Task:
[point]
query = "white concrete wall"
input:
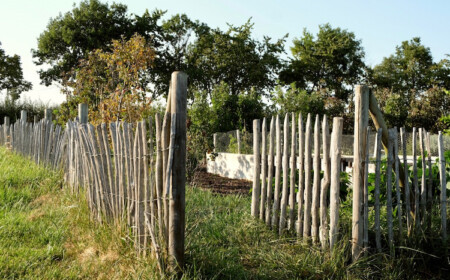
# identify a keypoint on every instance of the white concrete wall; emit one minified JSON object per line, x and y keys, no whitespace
{"x":235,"y":166}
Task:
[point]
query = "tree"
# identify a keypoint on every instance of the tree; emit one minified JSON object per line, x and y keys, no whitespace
{"x":113,"y":82}
{"x":11,"y":75}
{"x":332,"y":63}
{"x":408,"y":71}
{"x":411,"y":88}
{"x":237,"y":59}
{"x":92,"y":25}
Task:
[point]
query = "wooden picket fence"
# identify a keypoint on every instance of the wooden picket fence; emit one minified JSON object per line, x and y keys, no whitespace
{"x":125,"y":178}
{"x":309,"y":205}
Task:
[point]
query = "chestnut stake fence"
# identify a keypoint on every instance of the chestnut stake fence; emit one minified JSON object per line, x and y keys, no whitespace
{"x":126,"y":180}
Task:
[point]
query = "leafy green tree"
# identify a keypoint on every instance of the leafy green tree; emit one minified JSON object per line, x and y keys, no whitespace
{"x":408,"y":71}
{"x":92,"y":25}
{"x":330,"y":63}
{"x":11,"y":76}
{"x":236,"y":58}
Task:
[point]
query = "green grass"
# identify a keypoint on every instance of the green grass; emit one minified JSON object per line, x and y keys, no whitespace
{"x":46,"y":233}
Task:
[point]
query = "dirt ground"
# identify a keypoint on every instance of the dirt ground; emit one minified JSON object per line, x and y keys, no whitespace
{"x":221,"y":185}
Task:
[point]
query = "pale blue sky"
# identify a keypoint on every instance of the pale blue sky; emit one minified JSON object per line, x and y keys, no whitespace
{"x":381,"y":25}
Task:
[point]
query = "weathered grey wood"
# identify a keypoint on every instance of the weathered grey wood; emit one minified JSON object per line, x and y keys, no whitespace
{"x":335,"y":178}
{"x":406,"y":180}
{"x":285,"y":191}
{"x":35,"y":119}
{"x":293,"y":167}
{"x":415,"y":182}
{"x":301,"y":177}
{"x":423,"y":184}
{"x":262,"y":206}
{"x":178,"y":176}
{"x":366,"y":196}
{"x":397,"y":185}
{"x":165,"y":142}
{"x":377,"y":190}
{"x":276,"y":197}
{"x":159,"y":175}
{"x":109,"y":170}
{"x":148,"y":199}
{"x":316,"y":183}
{"x":442,"y":179}
{"x":256,"y":189}
{"x":308,"y":186}
{"x":359,"y":147}
{"x":215,"y":142}
{"x":104,"y":173}
{"x":115,"y":179}
{"x":430,"y":181}
{"x":390,"y":160}
{"x":325,"y":184}
{"x":270,"y":172}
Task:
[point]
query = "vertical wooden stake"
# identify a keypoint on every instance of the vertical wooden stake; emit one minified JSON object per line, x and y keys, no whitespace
{"x":301,"y":176}
{"x":377,"y":190}
{"x":284,"y":195}
{"x":308,"y":144}
{"x":293,"y":167}
{"x":264,"y":169}
{"x":415,"y":182}
{"x":238,"y":138}
{"x":423,"y":185}
{"x":390,"y":160}
{"x":316,"y":183}
{"x":397,"y":186}
{"x":406,"y":180}
{"x":359,"y":147}
{"x":256,"y":190}
{"x":270,"y":173}
{"x":366,"y":195}
{"x":178,"y":175}
{"x":442,"y":177}
{"x":335,"y":178}
{"x":276,"y":198}
{"x":325,"y":183}
{"x":83,"y":113}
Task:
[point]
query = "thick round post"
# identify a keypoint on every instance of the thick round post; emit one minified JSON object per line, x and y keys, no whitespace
{"x":335,"y":178}
{"x":325,"y":184}
{"x":397,"y":186}
{"x":415,"y":182}
{"x":178,"y":175}
{"x":359,"y":148}
{"x":83,"y":113}
{"x":406,"y":179}
{"x":256,"y":191}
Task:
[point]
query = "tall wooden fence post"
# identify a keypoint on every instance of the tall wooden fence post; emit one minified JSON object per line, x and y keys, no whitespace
{"x":23,"y":116}
{"x":178,"y":175}
{"x":443,"y":187}
{"x":238,"y":139}
{"x":361,"y":123}
{"x":335,"y":178}
{"x":256,"y":190}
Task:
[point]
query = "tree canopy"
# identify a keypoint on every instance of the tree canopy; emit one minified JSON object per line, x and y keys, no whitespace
{"x":331,"y":61}
{"x":11,"y":75}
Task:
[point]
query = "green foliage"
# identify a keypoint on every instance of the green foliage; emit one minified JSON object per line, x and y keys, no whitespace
{"x":333,"y":61}
{"x":11,"y":109}
{"x":11,"y":75}
{"x":295,"y":100}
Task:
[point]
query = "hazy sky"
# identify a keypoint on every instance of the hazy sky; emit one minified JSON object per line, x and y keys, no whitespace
{"x":380,"y":24}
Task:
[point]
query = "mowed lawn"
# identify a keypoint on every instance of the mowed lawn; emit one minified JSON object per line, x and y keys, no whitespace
{"x":46,"y":233}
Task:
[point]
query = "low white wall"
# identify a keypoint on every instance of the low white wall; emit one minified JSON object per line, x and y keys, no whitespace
{"x":235,"y":166}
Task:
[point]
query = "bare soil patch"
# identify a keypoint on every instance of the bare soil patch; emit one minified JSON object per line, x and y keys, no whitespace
{"x":218,"y":184}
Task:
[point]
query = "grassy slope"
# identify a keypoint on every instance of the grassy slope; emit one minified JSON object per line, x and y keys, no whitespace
{"x":45,"y":233}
